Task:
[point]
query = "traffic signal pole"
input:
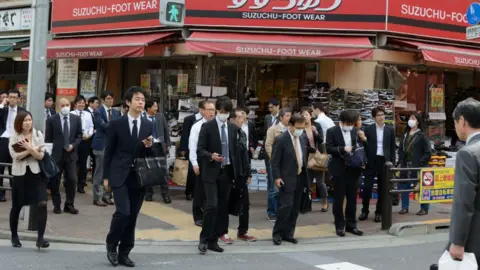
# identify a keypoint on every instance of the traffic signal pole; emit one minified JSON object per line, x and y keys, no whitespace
{"x":37,"y":76}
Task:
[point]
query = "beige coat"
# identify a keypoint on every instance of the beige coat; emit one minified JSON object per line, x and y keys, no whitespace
{"x":19,"y":166}
{"x":272,"y":133}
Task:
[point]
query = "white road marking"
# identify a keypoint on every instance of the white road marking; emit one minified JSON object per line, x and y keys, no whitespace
{"x":341,"y":266}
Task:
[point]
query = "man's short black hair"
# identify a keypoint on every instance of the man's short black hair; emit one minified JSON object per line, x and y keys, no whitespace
{"x":106,"y":94}
{"x":245,"y":110}
{"x":232,"y":116}
{"x":14,"y":91}
{"x":78,"y":99}
{"x":3,"y":92}
{"x":284,"y":111}
{"x":296,"y":118}
{"x":349,"y":117}
{"x":274,"y":102}
{"x":48,"y":96}
{"x":149,"y":103}
{"x":134,"y":90}
{"x":378,"y":109}
{"x":224,"y":104}
{"x":470,"y":110}
{"x":319,"y":106}
{"x":201,"y":104}
{"x":92,"y":100}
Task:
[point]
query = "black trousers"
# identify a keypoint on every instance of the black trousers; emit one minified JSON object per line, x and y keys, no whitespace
{"x":244,"y":217}
{"x":92,"y":160}
{"x":215,"y":215}
{"x":375,"y":169}
{"x":83,"y":153}
{"x":128,"y":202}
{"x":164,"y":189}
{"x":67,"y":167}
{"x":191,"y":181}
{"x":4,"y":158}
{"x":345,"y":186}
{"x":198,"y":200}
{"x":289,"y":209}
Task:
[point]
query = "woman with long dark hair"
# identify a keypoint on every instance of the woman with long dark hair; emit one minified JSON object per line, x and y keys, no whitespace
{"x":28,"y":186}
{"x":414,"y":152}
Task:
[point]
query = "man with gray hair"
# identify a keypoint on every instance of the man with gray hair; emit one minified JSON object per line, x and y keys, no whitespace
{"x":465,"y":221}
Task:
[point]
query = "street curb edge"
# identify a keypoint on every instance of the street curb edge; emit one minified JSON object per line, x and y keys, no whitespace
{"x":419,"y":228}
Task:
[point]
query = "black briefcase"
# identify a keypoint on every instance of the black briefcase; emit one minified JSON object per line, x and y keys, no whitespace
{"x":235,"y":204}
{"x":151,"y":171}
{"x":306,"y":202}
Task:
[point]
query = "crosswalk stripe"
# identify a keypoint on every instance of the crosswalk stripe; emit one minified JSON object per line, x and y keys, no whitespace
{"x":341,"y":266}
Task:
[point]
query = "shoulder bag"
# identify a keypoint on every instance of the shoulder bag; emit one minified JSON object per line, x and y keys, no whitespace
{"x":356,"y":159}
{"x":150,"y":171}
{"x":48,"y":165}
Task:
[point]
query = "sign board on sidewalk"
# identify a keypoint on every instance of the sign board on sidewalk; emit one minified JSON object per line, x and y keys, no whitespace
{"x":67,"y":77}
{"x":15,"y":19}
{"x":436,"y":185}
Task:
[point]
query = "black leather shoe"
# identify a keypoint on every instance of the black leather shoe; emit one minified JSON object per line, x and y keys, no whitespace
{"x":167,"y":199}
{"x":277,"y":240}
{"x":70,"y":209}
{"x":355,"y":231}
{"x":340,"y":233}
{"x":215,"y":247}
{"x":291,"y":240}
{"x":57,"y":210}
{"x":16,"y":242}
{"x":42,"y":244}
{"x":199,"y":223}
{"x":202,"y":247}
{"x":148,"y":198}
{"x":378,"y":218}
{"x":108,"y":201}
{"x":81,"y":190}
{"x":434,"y":267}
{"x":363,"y":216}
{"x":188,"y":197}
{"x":112,"y":255}
{"x":125,"y":260}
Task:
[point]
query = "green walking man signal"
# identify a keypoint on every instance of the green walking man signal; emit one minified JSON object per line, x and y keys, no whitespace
{"x":172,"y":12}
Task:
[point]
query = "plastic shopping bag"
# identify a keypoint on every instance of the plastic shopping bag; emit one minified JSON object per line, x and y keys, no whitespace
{"x":447,"y":263}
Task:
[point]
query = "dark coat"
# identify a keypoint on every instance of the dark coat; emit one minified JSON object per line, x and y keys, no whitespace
{"x":54,"y":135}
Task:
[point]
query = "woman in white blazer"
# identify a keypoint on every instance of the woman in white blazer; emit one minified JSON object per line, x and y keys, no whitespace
{"x":28,"y":186}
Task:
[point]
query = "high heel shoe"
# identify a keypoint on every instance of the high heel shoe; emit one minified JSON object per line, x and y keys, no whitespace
{"x":16,"y":243}
{"x":42,"y":244}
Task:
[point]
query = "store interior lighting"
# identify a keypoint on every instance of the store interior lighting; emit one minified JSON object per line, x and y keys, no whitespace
{"x":18,"y":59}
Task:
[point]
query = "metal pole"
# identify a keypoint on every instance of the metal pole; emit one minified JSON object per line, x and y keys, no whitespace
{"x":386,"y":197}
{"x":37,"y":76}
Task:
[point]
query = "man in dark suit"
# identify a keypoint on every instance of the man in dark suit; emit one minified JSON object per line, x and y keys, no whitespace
{"x":49,"y":105}
{"x":101,"y":120}
{"x":217,"y":154}
{"x":188,"y":123}
{"x":342,"y":140}
{"x":249,"y":128}
{"x":270,"y":120}
{"x":8,"y":112}
{"x":64,"y":131}
{"x":161,"y":144}
{"x":380,"y":149}
{"x":290,"y":177}
{"x":128,"y":138}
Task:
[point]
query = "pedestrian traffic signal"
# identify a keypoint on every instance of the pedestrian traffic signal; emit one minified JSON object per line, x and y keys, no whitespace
{"x":172,"y":12}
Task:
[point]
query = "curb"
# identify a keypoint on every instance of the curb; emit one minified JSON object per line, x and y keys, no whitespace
{"x":420,"y":228}
{"x":4,"y":234}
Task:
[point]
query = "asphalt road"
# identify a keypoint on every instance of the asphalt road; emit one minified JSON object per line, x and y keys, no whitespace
{"x":368,"y":253}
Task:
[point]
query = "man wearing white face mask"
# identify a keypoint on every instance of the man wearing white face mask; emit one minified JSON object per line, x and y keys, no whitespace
{"x":290,"y":177}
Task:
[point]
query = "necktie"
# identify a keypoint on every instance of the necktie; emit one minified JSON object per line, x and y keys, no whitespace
{"x":110,"y":115}
{"x":48,"y":113}
{"x":154,"y":127}
{"x":224,"y":146}
{"x":66,"y":133}
{"x":297,"y":153}
{"x":134,"y":130}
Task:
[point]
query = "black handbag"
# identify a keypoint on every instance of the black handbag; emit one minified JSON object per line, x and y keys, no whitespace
{"x":235,"y":205}
{"x":48,"y":166}
{"x":150,"y":171}
{"x":306,"y":201}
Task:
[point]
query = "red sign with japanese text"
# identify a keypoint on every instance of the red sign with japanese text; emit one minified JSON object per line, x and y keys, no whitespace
{"x":70,"y":16}
{"x":436,"y":19}
{"x":292,"y":14}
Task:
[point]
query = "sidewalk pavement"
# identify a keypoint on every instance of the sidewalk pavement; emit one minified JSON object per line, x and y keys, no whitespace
{"x":160,"y":222}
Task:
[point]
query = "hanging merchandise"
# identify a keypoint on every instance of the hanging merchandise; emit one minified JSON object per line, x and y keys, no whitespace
{"x":318,"y":93}
{"x":387,"y":101}
{"x":370,"y":101}
{"x":182,"y":83}
{"x":337,"y":103}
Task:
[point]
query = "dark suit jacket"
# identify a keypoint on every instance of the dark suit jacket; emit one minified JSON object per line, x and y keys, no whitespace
{"x":121,"y":150}
{"x":335,"y":147}
{"x":209,"y":142}
{"x":389,"y":145}
{"x":163,"y":131}
{"x":420,"y":149}
{"x":54,"y":134}
{"x":284,"y":162}
{"x":186,"y":128}
{"x":268,"y":122}
{"x":52,"y":112}
{"x":252,"y":136}
{"x":100,"y":121}
{"x":4,"y":117}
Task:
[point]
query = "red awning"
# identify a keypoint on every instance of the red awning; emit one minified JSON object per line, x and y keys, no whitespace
{"x":101,"y":47}
{"x":282,"y":45}
{"x":446,"y":54}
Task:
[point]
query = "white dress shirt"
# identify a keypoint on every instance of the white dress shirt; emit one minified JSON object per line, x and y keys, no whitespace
{"x":87,"y":122}
{"x":130,"y":123}
{"x":299,"y":146}
{"x":347,"y":137}
{"x":198,"y":116}
{"x":12,"y":113}
{"x":106,"y":111}
{"x":193,"y":141}
{"x":220,"y":123}
{"x":275,"y":118}
{"x":325,"y":122}
{"x":284,"y":128}
{"x":245,"y":129}
{"x":380,"y":131}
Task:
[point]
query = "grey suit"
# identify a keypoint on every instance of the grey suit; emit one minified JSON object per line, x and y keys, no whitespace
{"x":268,"y":123}
{"x":465,"y":223}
